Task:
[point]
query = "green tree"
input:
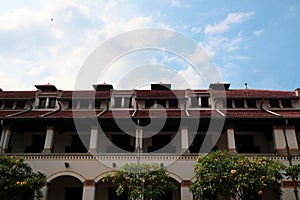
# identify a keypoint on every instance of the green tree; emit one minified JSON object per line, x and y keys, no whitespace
{"x":147,"y":180}
{"x":17,"y":178}
{"x":293,"y":172}
{"x":223,"y":177}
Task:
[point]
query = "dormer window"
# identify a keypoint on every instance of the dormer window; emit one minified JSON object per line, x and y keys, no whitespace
{"x":127,"y":102}
{"x":204,"y":102}
{"x":84,"y":104}
{"x":47,"y":103}
{"x":227,"y":103}
{"x":118,"y":102}
{"x":42,"y":103}
{"x":52,"y":102}
{"x":194,"y":102}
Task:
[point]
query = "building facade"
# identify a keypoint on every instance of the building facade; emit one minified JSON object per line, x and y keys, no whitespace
{"x":77,"y":137}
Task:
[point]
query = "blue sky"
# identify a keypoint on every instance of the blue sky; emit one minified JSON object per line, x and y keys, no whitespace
{"x":248,"y":41}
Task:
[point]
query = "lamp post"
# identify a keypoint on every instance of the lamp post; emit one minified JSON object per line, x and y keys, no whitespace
{"x":290,"y":159}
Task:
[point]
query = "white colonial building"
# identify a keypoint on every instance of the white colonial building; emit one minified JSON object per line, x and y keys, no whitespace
{"x":77,"y":137}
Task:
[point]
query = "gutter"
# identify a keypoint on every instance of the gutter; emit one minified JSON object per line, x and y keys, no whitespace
{"x":218,"y":111}
{"x":106,"y":109}
{"x":268,"y":111}
{"x":51,"y":112}
{"x":21,"y":112}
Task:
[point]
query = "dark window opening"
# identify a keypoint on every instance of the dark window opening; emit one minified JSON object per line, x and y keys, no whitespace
{"x":52,"y":102}
{"x":73,"y":193}
{"x":251,"y":103}
{"x":274,"y":103}
{"x":127,"y":102}
{"x":20,"y":104}
{"x":73,"y":104}
{"x":196,"y":145}
{"x":77,"y":145}
{"x":149,"y":103}
{"x":204,"y":102}
{"x":239,"y":103}
{"x":123,"y":142}
{"x":162,"y":102}
{"x":42,"y":103}
{"x":245,"y":144}
{"x":194,"y":102}
{"x":0,"y":104}
{"x":173,"y":103}
{"x":37,"y":144}
{"x":159,"y":141}
{"x":286,"y":103}
{"x":8,"y":104}
{"x":118,"y":102}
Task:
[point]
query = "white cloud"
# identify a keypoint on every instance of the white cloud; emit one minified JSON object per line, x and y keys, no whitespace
{"x":223,"y":26}
{"x":196,"y":29}
{"x":258,"y":32}
{"x":177,"y":3}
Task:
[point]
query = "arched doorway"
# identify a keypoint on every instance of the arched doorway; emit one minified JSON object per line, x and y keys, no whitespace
{"x":65,"y":188}
{"x":107,"y":191}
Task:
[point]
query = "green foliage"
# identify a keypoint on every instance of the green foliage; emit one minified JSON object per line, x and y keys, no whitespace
{"x":17,"y":177}
{"x":222,"y":176}
{"x":148,"y":180}
{"x":293,"y":172}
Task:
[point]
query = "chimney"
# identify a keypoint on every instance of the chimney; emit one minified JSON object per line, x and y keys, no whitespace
{"x":103,"y":87}
{"x":46,"y":88}
{"x":297,"y":91}
{"x":219,"y":86}
{"x":160,"y":86}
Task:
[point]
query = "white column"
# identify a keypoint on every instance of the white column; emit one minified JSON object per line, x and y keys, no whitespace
{"x":279,"y":140}
{"x":291,"y":138}
{"x":184,"y":138}
{"x":2,"y":140}
{"x":93,"y":139}
{"x":49,"y":139}
{"x":44,"y":192}
{"x":89,"y":189}
{"x":231,"y":139}
{"x":185,"y":192}
{"x":6,"y":140}
{"x":139,"y":139}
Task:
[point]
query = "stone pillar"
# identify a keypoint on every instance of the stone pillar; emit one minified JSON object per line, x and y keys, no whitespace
{"x":89,"y":189}
{"x":2,"y":140}
{"x":139,"y":139}
{"x":291,"y":138}
{"x":279,"y":140}
{"x":93,"y":139}
{"x":184,"y":139}
{"x":185,"y":191}
{"x":44,"y":192}
{"x":49,"y":140}
{"x":5,"y":139}
{"x":231,"y":139}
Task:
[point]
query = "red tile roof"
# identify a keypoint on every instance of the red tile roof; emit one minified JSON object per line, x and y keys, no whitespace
{"x":249,"y":114}
{"x":86,"y":94}
{"x":253,"y":93}
{"x":17,"y":94}
{"x":162,"y":94}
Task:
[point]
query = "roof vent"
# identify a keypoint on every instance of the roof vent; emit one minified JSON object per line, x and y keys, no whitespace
{"x":46,"y":88}
{"x":160,"y":86}
{"x":219,"y":86}
{"x":103,"y":87}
